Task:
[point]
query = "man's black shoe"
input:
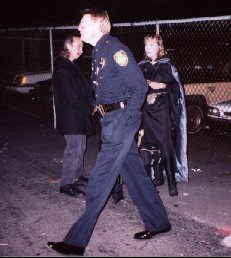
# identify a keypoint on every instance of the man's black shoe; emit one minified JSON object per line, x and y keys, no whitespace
{"x":64,"y":248}
{"x":148,"y":234}
{"x":72,"y":190}
{"x":81,"y":181}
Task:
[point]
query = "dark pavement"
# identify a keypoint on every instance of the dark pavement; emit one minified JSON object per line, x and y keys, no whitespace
{"x":33,"y":211}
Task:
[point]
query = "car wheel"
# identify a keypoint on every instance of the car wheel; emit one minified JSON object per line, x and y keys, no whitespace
{"x":195,"y":118}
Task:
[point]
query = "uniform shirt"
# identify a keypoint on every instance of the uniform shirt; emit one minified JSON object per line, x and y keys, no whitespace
{"x":116,"y":75}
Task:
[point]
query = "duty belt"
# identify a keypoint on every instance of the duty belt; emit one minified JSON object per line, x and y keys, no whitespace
{"x":103,"y":108}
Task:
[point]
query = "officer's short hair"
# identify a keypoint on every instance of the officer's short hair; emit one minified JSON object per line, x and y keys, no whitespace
{"x":100,"y":15}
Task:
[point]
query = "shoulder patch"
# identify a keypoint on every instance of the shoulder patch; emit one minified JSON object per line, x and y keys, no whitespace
{"x":121,"y":58}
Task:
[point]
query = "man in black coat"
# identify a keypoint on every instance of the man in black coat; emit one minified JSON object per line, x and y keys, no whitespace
{"x":73,"y":106}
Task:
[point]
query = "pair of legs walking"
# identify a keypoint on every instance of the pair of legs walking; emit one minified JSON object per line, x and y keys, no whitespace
{"x":118,"y":155}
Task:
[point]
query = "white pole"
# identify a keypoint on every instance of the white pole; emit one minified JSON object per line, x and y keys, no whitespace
{"x":52,"y":69}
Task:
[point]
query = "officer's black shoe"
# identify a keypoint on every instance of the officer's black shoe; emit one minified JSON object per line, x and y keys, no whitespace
{"x":72,"y":190}
{"x":82,"y":181}
{"x":148,"y":234}
{"x":64,"y":248}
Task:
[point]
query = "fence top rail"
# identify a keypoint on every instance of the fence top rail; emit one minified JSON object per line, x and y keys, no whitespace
{"x":128,"y":24}
{"x":71,"y":27}
{"x":228,"y":17}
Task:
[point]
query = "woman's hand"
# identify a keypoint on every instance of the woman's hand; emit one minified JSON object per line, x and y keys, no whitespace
{"x":156,"y":85}
{"x":94,"y":111}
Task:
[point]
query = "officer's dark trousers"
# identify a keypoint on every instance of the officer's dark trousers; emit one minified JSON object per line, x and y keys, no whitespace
{"x":118,"y":155}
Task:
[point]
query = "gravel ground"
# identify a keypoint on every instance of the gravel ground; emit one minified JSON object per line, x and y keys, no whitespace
{"x":33,"y":211}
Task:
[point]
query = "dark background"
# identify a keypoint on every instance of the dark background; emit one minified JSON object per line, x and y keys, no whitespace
{"x":31,"y":13}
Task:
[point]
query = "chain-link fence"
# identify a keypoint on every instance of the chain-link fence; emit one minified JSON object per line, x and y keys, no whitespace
{"x":200,"y":48}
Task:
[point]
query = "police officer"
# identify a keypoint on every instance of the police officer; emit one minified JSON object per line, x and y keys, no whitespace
{"x":120,"y":90}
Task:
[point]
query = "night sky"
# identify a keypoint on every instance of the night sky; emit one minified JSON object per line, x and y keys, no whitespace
{"x":34,"y":13}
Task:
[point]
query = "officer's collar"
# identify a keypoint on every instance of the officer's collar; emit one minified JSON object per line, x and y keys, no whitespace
{"x":102,"y":40}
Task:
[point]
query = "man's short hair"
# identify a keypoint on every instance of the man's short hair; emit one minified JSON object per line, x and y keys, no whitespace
{"x":100,"y":15}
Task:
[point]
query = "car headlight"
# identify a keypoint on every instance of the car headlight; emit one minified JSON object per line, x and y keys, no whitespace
{"x":213,"y":111}
{"x":22,"y":80}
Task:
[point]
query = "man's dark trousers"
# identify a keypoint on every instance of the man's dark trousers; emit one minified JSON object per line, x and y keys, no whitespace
{"x":119,"y":155}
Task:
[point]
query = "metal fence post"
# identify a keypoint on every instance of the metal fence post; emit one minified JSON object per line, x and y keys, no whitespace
{"x":52,"y":69}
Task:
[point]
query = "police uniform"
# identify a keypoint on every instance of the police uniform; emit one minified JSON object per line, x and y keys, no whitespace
{"x":120,"y":89}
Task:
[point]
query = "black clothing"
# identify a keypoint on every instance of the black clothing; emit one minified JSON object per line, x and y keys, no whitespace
{"x":164,"y":119}
{"x":72,"y":97}
{"x":159,"y":118}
